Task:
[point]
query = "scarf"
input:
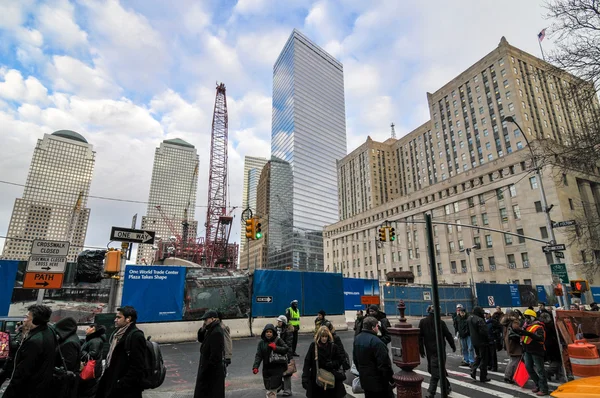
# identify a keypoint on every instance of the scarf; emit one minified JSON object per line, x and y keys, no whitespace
{"x":114,"y":340}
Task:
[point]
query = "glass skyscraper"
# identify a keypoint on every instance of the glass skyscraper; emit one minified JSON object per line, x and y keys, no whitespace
{"x":309,"y":132}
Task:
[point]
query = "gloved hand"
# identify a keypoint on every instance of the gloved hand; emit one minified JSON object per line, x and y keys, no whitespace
{"x":272,"y":346}
{"x":255,"y":371}
{"x":329,"y":365}
{"x":305,"y":384}
{"x":227,"y":361}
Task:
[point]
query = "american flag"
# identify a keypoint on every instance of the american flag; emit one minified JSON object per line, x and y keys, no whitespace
{"x":542,"y":34}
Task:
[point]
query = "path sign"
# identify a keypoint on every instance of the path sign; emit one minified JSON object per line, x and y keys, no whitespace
{"x":50,"y":248}
{"x":561,"y":224}
{"x":42,"y":280}
{"x":553,"y":248}
{"x":264,"y":299}
{"x":560,"y":270}
{"x":46,"y":264}
{"x":491,"y":301}
{"x":132,"y":235}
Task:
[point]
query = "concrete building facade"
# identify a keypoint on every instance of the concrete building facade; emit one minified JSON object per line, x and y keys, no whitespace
{"x":466,"y":166}
{"x":53,"y":206}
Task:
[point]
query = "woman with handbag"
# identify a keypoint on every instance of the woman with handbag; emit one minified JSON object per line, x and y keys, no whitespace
{"x":321,"y":375}
{"x":91,"y":360}
{"x":272,"y":352}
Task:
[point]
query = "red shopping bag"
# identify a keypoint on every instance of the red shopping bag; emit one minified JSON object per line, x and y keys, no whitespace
{"x":87,"y":373}
{"x":521,"y":376}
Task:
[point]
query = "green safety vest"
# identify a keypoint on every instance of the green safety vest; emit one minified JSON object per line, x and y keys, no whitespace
{"x":295,"y":317}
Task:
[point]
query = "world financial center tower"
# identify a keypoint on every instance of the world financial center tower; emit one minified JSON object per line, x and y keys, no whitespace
{"x":308,"y":132}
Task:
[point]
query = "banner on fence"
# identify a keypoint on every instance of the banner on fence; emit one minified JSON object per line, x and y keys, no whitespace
{"x":355,"y":288}
{"x":510,"y":295}
{"x":8,"y":273}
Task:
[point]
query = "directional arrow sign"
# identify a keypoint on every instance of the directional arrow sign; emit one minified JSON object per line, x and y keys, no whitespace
{"x":553,"y":248}
{"x":264,"y":299}
{"x":561,"y":224}
{"x":132,"y":235}
{"x":42,"y":280}
{"x":46,"y":263}
{"x":559,"y":255}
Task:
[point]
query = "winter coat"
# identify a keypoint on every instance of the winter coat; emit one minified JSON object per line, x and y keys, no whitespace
{"x":371,"y":357}
{"x":478,"y":329}
{"x":210,"y":380}
{"x":462,"y":326}
{"x":286,"y":333}
{"x":330,"y":358}
{"x":536,"y":345}
{"x":272,"y":372}
{"x":319,"y":323}
{"x":227,"y":341}
{"x":384,"y":325}
{"x":69,"y":350}
{"x":346,"y":359}
{"x":494,"y":331}
{"x":121,"y":379}
{"x":358,"y":323}
{"x":511,"y":339}
{"x":33,"y":365}
{"x":428,"y":345}
{"x":551,"y":343}
{"x":93,"y":348}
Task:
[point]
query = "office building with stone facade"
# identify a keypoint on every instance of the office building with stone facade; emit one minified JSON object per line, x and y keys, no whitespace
{"x":252,"y":168}
{"x":53,"y":206}
{"x":467,"y":167}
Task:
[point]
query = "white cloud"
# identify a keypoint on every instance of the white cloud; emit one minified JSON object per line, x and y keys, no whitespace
{"x":14,"y":88}
{"x":57,"y":22}
{"x":262,"y":48}
{"x":71,"y":75}
{"x":196,"y":19}
{"x":13,"y":13}
{"x":251,"y":7}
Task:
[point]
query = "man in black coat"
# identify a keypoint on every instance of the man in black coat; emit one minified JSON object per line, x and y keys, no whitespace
{"x":34,"y":361}
{"x":480,"y":339}
{"x":384,"y":323}
{"x":125,"y":360}
{"x":68,"y":355}
{"x":210,"y":381}
{"x":370,"y":354}
{"x":428,"y":347}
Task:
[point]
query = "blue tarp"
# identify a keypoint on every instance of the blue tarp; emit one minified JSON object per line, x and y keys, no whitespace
{"x":155,"y":292}
{"x":322,"y":291}
{"x":510,"y":295}
{"x":8,"y":274}
{"x":595,"y":293}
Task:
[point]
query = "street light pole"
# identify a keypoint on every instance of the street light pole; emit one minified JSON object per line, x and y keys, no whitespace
{"x":543,"y":201}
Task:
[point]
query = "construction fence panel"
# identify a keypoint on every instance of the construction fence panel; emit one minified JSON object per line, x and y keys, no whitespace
{"x":418,"y":298}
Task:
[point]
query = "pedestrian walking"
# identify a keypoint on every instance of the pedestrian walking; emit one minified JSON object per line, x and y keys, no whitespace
{"x":285,"y":333}
{"x":125,"y":359}
{"x":92,"y":349}
{"x":210,"y":380}
{"x":338,"y":342}
{"x":512,"y":343}
{"x":555,"y":368}
{"x":461,"y":327}
{"x":324,"y":351}
{"x":428,"y":348}
{"x":372,"y":360}
{"x":358,"y":322}
{"x":493,"y":327}
{"x":320,"y":320}
{"x":34,"y":360}
{"x":228,"y":342}
{"x":479,"y":337}
{"x":533,"y":336}
{"x":384,"y":323}
{"x":293,"y":316}
{"x":67,"y":357}
{"x":272,"y":353}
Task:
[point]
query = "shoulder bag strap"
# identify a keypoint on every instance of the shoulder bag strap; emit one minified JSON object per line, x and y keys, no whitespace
{"x":317,"y":357}
{"x":62,"y":358}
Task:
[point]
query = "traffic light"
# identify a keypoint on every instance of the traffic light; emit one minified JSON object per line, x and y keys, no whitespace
{"x":112,"y":261}
{"x":558,"y":290}
{"x":578,"y":287}
{"x":382,"y":234}
{"x":250,"y":228}
{"x":257,"y":229}
{"x":392,"y":234}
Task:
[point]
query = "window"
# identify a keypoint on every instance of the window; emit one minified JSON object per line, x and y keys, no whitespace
{"x":503,"y":214}
{"x":463,"y":266}
{"x":449,"y":229}
{"x":440,"y":269}
{"x":488,"y":241}
{"x":533,"y":182}
{"x":525,"y":259}
{"x":538,"y":206}
{"x":571,"y":204}
{"x":519,"y":145}
{"x":527,"y":282}
{"x":473,"y":220}
{"x":451,"y":247}
{"x":511,"y":107}
{"x":477,"y":242}
{"x":500,"y":193}
{"x":544,"y":232}
{"x":453,"y":267}
{"x":513,"y":190}
{"x":470,"y":201}
{"x":437,"y":248}
{"x":492,"y":262}
{"x":410,"y":254}
{"x":447,"y":209}
{"x":511,"y":261}
{"x":520,"y":232}
{"x":484,"y":219}
{"x":481,"y":110}
{"x":508,"y":239}
{"x":461,"y":244}
{"x":516,"y":212}
{"x":480,"y":264}
{"x":481,"y":199}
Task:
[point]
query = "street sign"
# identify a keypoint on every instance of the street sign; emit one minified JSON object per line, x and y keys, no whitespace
{"x":50,"y":248}
{"x":553,"y":248}
{"x":42,"y":280}
{"x":132,"y":235}
{"x":559,"y":255}
{"x":560,"y":270}
{"x":561,"y":224}
{"x":491,"y":301}
{"x":426,"y":296}
{"x":368,"y":300}
{"x":46,"y":264}
{"x":264,"y":299}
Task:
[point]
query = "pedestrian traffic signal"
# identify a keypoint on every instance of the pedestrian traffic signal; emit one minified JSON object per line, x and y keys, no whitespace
{"x":382,"y":234}
{"x":112,"y":261}
{"x":578,"y":287}
{"x":558,"y":290}
{"x":257,"y":229}
{"x":250,"y":231}
{"x":392,"y":234}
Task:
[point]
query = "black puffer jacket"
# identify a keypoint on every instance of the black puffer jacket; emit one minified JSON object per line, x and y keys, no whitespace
{"x":384,"y":325}
{"x":69,"y":351}
{"x":373,"y":362}
{"x":330,"y":359}
{"x":93,"y":348}
{"x":462,"y":325}
{"x":210,"y":380}
{"x":272,"y":372}
{"x":478,"y":329}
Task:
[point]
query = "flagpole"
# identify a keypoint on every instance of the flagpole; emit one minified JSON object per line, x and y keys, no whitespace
{"x":541,"y":49}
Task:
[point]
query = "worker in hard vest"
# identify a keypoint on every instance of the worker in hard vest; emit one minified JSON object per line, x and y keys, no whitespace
{"x":533,"y":338}
{"x":293,"y":315}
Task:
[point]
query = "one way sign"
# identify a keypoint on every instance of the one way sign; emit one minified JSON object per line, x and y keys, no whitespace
{"x":132,"y":235}
{"x":264,"y":299}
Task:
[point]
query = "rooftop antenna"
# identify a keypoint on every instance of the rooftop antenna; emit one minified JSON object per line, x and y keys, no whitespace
{"x":393,"y":130}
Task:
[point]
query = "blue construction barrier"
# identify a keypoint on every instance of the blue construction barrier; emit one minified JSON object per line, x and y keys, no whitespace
{"x":355,"y":288}
{"x":418,"y":298}
{"x":511,"y":295}
{"x":8,"y":273}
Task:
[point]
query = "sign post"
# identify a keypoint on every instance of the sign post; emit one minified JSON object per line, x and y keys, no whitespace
{"x":560,"y":270}
{"x":46,"y":266}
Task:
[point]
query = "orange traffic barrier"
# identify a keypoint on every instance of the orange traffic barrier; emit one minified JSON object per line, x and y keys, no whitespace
{"x":584,"y":358}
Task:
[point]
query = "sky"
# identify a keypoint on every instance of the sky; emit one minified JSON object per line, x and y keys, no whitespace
{"x":129,"y":74}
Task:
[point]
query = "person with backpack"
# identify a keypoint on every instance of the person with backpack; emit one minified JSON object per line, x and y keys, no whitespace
{"x":210,"y":381}
{"x":272,"y":353}
{"x":92,"y":349}
{"x":126,"y":358}
{"x":227,"y":341}
{"x":68,"y":353}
